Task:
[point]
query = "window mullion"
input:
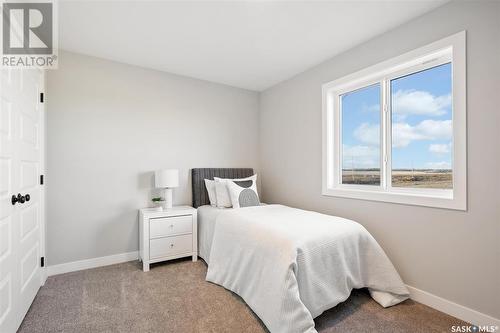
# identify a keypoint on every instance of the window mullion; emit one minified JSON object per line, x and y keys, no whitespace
{"x":388,"y":134}
{"x":383,"y":136}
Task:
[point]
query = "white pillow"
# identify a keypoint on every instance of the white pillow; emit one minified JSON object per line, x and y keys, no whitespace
{"x":243,"y":193}
{"x":222,"y":192}
{"x":210,"y":185}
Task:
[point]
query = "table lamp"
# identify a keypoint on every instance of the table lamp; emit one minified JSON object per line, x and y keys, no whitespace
{"x":167,"y":179}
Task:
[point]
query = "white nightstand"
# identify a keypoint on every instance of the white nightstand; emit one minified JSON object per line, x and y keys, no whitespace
{"x":168,"y":234}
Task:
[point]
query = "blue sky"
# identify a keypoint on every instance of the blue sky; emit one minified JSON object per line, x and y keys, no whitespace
{"x":421,"y":122}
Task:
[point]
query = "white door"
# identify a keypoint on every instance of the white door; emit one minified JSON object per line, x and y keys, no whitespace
{"x":20,"y":167}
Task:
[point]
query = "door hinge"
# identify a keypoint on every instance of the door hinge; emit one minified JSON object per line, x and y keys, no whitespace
{"x":41,"y":97}
{"x":42,"y":262}
{"x":41,"y":179}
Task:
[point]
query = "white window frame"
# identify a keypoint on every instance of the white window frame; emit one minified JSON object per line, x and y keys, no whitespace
{"x":451,"y":49}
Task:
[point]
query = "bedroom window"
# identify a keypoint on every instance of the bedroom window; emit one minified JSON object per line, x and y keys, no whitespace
{"x":395,"y":132}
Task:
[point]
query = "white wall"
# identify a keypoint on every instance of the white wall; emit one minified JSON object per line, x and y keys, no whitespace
{"x":109,"y":125}
{"x":452,"y":254}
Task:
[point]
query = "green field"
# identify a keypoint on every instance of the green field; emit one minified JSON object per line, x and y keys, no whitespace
{"x":421,"y":178}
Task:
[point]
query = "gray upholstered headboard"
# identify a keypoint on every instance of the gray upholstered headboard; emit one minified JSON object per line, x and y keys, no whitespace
{"x":198,"y":176}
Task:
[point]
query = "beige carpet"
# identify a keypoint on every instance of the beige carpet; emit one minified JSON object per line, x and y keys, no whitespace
{"x":174,"y":297}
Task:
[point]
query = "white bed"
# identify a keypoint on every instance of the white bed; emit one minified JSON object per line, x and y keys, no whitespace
{"x":290,"y":265}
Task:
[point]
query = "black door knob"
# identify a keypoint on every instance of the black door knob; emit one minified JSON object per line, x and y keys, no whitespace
{"x":21,"y":198}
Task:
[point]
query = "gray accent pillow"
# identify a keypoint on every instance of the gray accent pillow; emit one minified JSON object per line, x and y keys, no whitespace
{"x":243,"y":193}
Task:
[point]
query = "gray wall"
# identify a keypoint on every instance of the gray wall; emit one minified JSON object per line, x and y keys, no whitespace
{"x":452,"y":254}
{"x":109,"y":125}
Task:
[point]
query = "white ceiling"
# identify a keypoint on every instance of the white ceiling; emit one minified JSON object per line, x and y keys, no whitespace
{"x":252,"y":44}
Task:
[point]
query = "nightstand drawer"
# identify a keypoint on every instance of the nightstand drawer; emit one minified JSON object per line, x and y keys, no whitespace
{"x":167,"y":226}
{"x":169,"y":246}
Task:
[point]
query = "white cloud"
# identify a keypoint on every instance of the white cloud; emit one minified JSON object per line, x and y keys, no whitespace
{"x":439,"y":165}
{"x":360,"y":156}
{"x":368,"y":133}
{"x":436,"y":129}
{"x":403,"y":133}
{"x":440,"y":148}
{"x":417,"y":102}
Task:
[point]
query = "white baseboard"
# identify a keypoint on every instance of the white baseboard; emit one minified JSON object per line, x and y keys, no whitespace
{"x":453,"y":309}
{"x":91,"y":263}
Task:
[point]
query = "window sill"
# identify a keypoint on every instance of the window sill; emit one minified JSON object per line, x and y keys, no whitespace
{"x":439,"y":199}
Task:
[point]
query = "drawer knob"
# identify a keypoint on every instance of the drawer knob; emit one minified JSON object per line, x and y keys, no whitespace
{"x":171,"y":245}
{"x":171,"y":226}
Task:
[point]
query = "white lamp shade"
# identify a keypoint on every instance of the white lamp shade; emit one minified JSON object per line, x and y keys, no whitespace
{"x":167,"y":178}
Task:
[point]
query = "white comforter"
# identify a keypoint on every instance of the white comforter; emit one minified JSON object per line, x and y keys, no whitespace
{"x":290,"y":265}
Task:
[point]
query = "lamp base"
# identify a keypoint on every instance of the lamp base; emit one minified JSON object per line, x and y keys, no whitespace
{"x":168,"y":198}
